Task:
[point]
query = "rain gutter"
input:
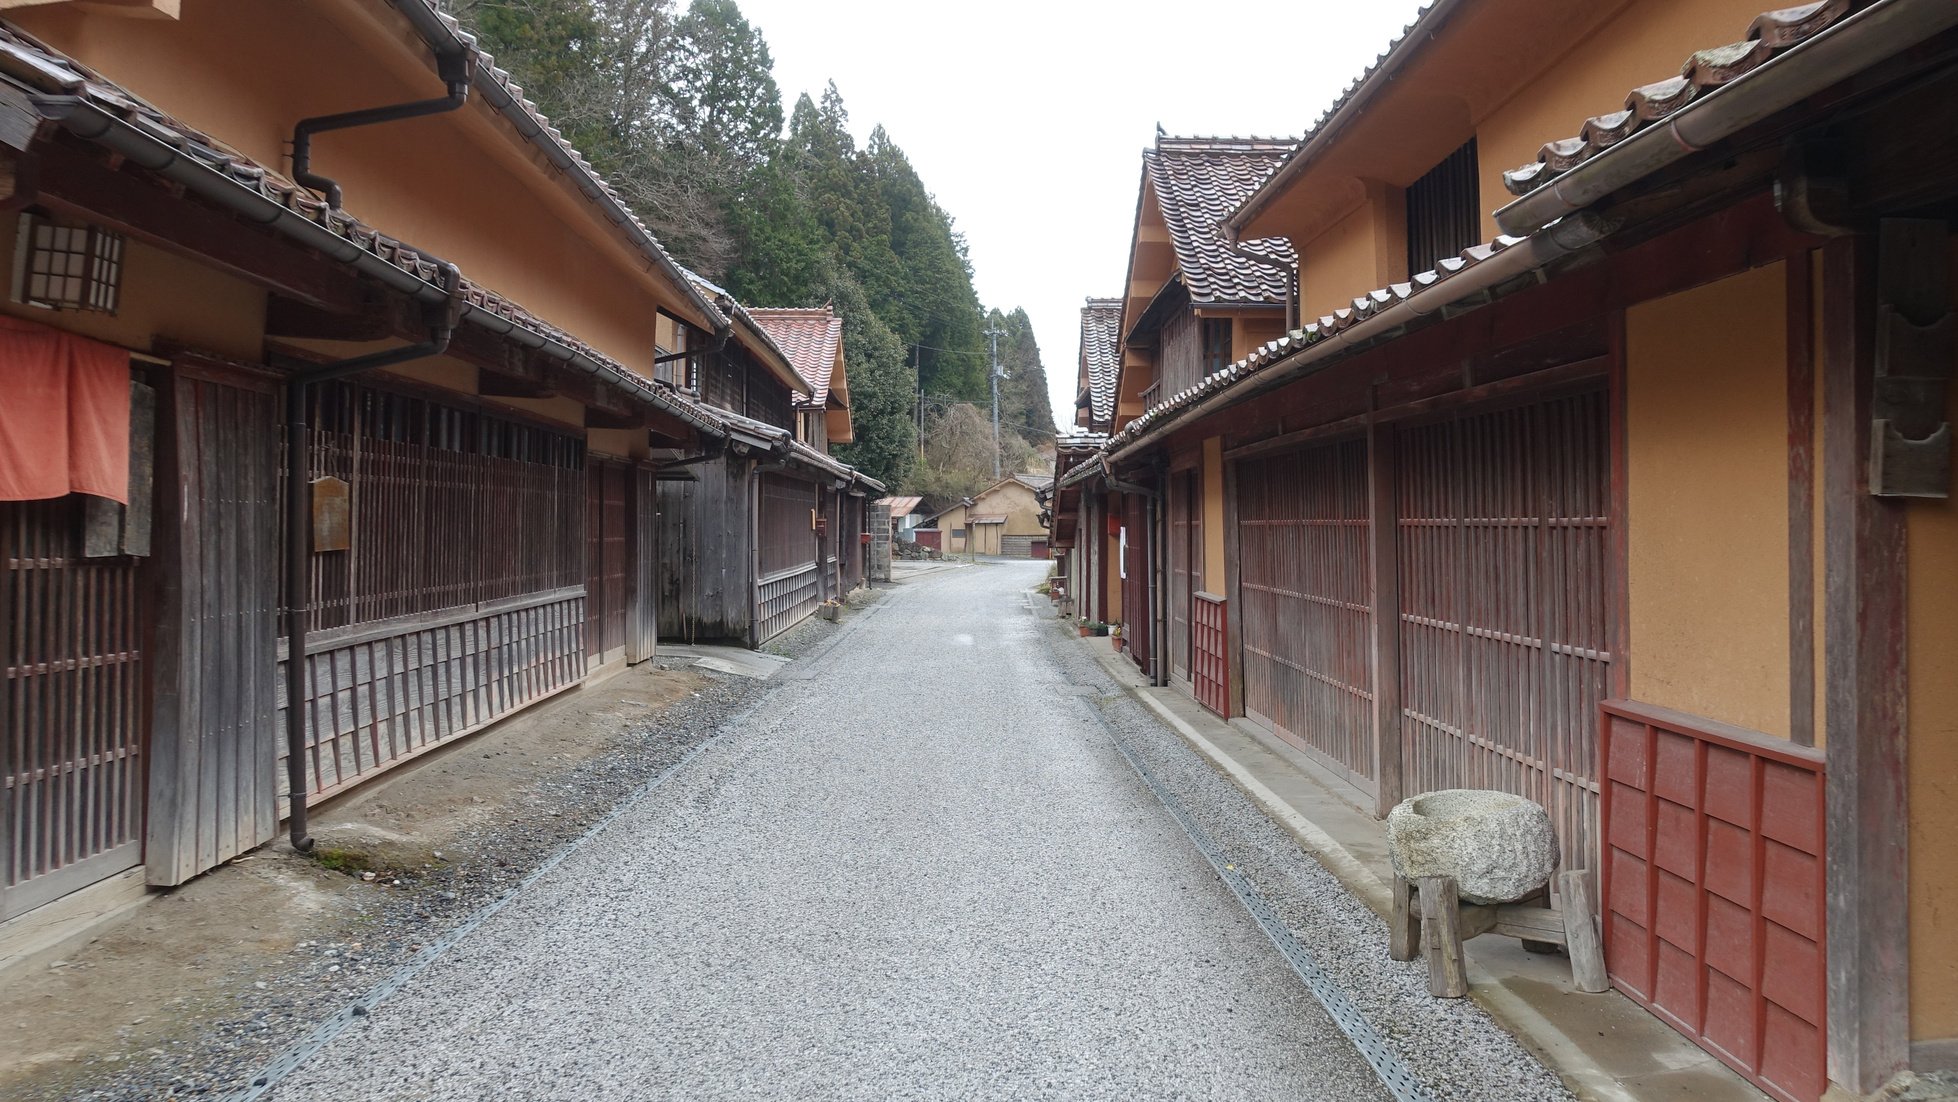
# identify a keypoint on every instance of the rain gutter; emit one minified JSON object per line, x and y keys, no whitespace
{"x":1850,"y":47}
{"x":146,"y":150}
{"x":1551,"y":244}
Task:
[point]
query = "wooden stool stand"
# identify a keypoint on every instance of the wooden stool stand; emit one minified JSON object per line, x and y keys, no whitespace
{"x":1431,"y":920}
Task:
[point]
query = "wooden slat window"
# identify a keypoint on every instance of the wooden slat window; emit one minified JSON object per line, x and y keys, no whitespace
{"x":1444,"y":210}
{"x":788,"y":539}
{"x":1504,"y":647}
{"x":450,"y":506}
{"x":1305,"y":581}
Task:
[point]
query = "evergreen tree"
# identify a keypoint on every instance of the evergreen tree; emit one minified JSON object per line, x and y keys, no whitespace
{"x":1023,"y":401}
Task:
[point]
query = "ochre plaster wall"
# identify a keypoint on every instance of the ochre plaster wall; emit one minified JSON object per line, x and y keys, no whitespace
{"x":1249,"y":334}
{"x":1213,"y":516}
{"x":456,"y":184}
{"x":1340,"y":264}
{"x":1017,"y":501}
{"x":1644,"y":42}
{"x":1706,"y":439}
{"x":163,"y":295}
{"x":1931,"y":529}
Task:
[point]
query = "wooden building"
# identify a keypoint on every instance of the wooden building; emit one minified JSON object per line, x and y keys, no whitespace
{"x":473,"y":412}
{"x":1619,"y":480}
{"x":1004,"y":520}
{"x":764,"y":527}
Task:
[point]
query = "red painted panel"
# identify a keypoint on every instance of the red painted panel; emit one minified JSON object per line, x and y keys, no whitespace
{"x":1722,"y":935}
{"x":1211,"y":677}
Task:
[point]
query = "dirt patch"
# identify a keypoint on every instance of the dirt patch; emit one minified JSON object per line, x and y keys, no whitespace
{"x":186,"y":994}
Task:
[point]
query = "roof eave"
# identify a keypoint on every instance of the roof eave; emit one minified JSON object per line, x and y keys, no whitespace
{"x":1418,"y":35}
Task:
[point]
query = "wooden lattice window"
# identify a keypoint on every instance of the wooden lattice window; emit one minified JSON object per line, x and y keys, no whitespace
{"x":1216,"y":345}
{"x":1444,"y":210}
{"x":61,"y":267}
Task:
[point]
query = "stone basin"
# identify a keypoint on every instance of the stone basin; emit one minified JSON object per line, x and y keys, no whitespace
{"x":1499,"y":847}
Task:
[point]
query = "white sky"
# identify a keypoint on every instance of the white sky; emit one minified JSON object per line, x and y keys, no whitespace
{"x":1027,"y":120}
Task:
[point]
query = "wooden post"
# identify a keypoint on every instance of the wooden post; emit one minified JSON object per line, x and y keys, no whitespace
{"x":1233,"y":602}
{"x":1441,"y":935}
{"x":1404,"y":930}
{"x":1864,"y":672}
{"x":1383,"y":527}
{"x":1581,"y":932}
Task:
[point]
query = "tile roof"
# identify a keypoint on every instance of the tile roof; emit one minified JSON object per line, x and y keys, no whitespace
{"x":1034,"y":481}
{"x":1101,"y":344}
{"x":1770,"y":33}
{"x":1198,"y":183}
{"x":812,"y":339}
{"x":901,"y":506}
{"x":1362,"y":309}
{"x":1385,"y":64}
{"x":54,"y":82}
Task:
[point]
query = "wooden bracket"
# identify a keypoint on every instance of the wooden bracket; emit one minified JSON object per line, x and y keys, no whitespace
{"x":1910,"y":439}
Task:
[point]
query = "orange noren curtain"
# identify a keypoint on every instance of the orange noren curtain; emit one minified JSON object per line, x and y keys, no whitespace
{"x":64,"y":415}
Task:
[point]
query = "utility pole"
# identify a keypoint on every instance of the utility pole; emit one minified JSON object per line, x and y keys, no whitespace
{"x":995,"y":333}
{"x":917,"y":374}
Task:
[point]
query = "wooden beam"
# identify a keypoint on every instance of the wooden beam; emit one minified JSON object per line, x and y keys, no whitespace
{"x":1233,"y":595}
{"x":149,"y":211}
{"x":1865,"y":689}
{"x":380,"y":318}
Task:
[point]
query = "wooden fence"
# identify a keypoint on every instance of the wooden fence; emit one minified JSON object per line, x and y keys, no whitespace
{"x":1305,"y":611}
{"x":383,"y":693}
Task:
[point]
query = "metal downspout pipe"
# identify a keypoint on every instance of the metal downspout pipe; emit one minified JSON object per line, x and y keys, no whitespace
{"x":297,"y":598}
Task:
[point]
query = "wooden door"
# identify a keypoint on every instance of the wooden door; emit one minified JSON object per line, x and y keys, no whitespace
{"x":608,"y":577}
{"x":72,"y":714}
{"x":214,"y":779}
{"x":1504,"y":647}
{"x":1307,"y":622}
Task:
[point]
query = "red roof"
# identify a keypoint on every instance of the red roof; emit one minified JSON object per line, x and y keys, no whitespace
{"x":814,"y":341}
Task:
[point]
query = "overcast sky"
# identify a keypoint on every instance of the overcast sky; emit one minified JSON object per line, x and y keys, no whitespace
{"x":1027,"y":119}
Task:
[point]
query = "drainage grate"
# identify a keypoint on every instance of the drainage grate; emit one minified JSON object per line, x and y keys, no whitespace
{"x":1379,"y":1053}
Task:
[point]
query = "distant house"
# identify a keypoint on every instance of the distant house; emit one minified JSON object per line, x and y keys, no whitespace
{"x":1002,"y":519}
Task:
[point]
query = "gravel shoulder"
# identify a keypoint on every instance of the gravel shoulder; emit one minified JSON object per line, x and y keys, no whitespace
{"x":192,"y":992}
{"x":1451,"y":1046}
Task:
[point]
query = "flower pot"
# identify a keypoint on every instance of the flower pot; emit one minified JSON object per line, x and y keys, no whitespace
{"x":1103,"y":630}
{"x":1084,"y":629}
{"x":1117,"y":641}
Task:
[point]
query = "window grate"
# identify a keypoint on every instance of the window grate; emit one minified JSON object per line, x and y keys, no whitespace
{"x":1444,"y":210}
{"x":1216,"y":345}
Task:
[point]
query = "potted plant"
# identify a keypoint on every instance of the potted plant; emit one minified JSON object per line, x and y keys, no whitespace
{"x":1084,"y":626}
{"x":1115,"y":630}
{"x":1101,"y":629}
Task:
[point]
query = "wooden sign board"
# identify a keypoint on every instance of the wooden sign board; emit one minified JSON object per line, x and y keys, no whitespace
{"x":332,"y":515}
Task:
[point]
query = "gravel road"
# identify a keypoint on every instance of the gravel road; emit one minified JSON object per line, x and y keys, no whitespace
{"x":918,"y":869}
